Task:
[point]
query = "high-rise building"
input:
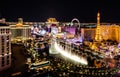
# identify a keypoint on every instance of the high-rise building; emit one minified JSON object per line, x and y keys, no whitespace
{"x":5,"y":46}
{"x":20,"y":31}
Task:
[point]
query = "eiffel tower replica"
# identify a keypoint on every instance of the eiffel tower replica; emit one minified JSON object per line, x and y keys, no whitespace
{"x":98,"y":35}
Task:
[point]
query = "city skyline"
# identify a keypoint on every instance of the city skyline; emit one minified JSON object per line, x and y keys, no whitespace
{"x":63,"y":10}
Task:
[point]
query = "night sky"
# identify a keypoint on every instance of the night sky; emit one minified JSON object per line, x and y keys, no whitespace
{"x":62,"y":10}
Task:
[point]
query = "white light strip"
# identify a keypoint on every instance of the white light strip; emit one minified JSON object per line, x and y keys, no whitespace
{"x":70,"y":56}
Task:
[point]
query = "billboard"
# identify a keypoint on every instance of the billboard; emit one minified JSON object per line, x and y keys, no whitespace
{"x":70,"y":30}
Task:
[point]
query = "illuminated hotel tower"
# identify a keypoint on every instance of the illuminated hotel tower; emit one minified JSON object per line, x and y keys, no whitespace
{"x":5,"y":46}
{"x":20,"y":31}
{"x":98,"y":35}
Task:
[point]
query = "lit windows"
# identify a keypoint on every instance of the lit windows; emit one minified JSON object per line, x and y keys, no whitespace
{"x":8,"y":60}
{"x":5,"y":46}
{"x":3,"y":61}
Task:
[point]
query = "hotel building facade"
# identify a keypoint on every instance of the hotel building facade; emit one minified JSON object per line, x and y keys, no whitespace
{"x":20,"y":31}
{"x":5,"y":46}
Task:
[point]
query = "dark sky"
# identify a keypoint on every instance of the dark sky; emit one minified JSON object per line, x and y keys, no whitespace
{"x":62,"y":10}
